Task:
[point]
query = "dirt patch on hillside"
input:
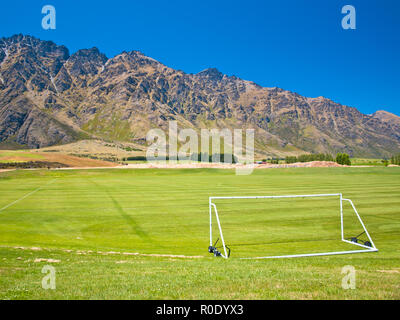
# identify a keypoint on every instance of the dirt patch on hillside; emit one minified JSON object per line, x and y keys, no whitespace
{"x":98,"y":149}
{"x":25,"y":160}
{"x":72,"y":161}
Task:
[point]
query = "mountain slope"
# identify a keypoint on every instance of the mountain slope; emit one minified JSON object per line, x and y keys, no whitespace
{"x":387,"y":117}
{"x":50,"y":97}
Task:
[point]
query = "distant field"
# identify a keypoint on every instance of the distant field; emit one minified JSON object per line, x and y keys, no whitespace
{"x":19,"y":156}
{"x":367,"y":162}
{"x":86,"y":219}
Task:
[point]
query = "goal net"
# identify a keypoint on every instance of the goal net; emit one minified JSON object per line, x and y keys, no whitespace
{"x":261,"y":227}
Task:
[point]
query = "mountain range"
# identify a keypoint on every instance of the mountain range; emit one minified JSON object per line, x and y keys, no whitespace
{"x":49,"y":97}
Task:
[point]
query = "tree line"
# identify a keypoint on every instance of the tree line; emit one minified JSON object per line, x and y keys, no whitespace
{"x":341,"y":158}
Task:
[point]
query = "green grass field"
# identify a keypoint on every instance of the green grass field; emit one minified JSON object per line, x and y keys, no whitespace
{"x":367,"y":162}
{"x":91,"y":222}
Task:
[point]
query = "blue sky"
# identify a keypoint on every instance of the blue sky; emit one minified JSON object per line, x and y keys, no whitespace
{"x":298,"y":45}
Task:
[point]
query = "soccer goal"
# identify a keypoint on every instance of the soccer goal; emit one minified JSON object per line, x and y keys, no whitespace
{"x":319,"y":218}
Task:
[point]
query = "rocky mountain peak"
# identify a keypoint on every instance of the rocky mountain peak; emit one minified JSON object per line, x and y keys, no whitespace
{"x":18,"y":44}
{"x":86,"y":62}
{"x":92,"y":54}
{"x":211,"y":74}
{"x":386,"y":117}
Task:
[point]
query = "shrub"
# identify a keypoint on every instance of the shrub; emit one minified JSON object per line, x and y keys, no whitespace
{"x":136,"y":158}
{"x":291,"y":159}
{"x":343,"y":159}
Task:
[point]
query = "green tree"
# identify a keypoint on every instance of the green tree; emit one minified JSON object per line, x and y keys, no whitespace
{"x":395,"y":159}
{"x":291,"y":159}
{"x":385,"y":162}
{"x":343,"y":159}
{"x":310,"y":157}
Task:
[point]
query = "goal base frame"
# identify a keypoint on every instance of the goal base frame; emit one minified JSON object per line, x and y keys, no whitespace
{"x":225,"y":255}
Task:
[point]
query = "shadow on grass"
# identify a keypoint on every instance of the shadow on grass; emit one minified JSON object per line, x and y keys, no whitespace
{"x":128,"y":218}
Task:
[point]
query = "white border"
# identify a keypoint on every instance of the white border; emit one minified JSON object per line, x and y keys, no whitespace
{"x":366,"y":248}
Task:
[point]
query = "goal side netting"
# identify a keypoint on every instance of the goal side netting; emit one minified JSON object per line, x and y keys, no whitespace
{"x":287,"y":226}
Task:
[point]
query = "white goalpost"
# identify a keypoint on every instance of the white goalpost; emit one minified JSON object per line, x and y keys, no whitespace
{"x":367,"y":246}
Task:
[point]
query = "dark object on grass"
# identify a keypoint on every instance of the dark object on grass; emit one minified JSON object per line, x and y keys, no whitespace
{"x":357,"y":240}
{"x":214,"y":249}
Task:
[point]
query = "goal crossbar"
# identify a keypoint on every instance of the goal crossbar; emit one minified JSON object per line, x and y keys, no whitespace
{"x":366,"y":248}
